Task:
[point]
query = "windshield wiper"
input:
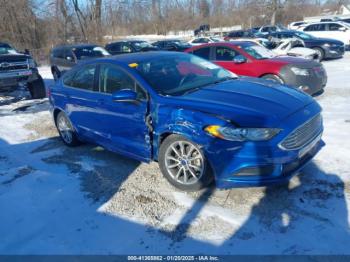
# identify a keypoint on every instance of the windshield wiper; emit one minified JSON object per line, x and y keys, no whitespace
{"x":224,"y":79}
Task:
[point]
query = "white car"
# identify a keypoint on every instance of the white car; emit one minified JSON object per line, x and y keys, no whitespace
{"x":204,"y":40}
{"x":285,"y":47}
{"x":297,"y":25}
{"x":295,"y":47}
{"x":336,"y":30}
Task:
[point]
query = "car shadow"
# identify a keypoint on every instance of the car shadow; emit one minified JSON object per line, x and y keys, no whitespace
{"x":294,"y":218}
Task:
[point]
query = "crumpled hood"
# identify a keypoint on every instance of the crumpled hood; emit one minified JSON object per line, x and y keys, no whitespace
{"x":302,"y":51}
{"x":248,"y":102}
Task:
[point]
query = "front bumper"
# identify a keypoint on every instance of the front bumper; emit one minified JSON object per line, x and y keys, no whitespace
{"x":241,"y":164}
{"x":279,"y":170}
{"x":334,"y":51}
{"x":14,"y":78}
{"x":312,"y":84}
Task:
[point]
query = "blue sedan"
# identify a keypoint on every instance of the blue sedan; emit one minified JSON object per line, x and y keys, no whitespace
{"x":200,"y":122}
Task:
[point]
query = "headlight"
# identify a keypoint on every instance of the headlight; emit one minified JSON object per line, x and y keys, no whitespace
{"x":299,"y":71}
{"x":31,"y":63}
{"x":242,"y":134}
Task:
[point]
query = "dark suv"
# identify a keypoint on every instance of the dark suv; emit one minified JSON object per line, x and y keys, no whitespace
{"x":172,"y":45}
{"x":19,"y":69}
{"x":64,"y":57}
{"x":129,"y":46}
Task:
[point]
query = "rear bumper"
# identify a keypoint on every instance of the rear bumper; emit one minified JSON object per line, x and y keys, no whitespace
{"x":14,"y":78}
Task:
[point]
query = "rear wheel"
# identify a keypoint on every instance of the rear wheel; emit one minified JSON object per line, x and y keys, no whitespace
{"x":183,"y":164}
{"x":320,"y":53}
{"x":66,"y":130}
{"x":273,"y":78}
{"x":37,"y":88}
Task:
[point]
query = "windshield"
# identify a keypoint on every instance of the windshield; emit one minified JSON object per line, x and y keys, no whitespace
{"x":6,"y":49}
{"x":140,"y":45}
{"x":304,"y":36}
{"x":180,"y":74}
{"x":180,"y":43}
{"x":215,"y":39}
{"x":258,"y":52}
{"x":89,"y":51}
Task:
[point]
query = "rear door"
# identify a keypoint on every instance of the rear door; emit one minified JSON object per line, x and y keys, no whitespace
{"x":58,"y":59}
{"x":82,"y":103}
{"x":317,"y":30}
{"x":123,"y":124}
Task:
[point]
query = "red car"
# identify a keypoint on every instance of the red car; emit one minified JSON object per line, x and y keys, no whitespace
{"x":249,"y":59}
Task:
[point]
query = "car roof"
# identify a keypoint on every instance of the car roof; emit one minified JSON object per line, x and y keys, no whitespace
{"x":127,"y":41}
{"x":327,"y":22}
{"x":224,"y":43}
{"x":140,"y":57}
{"x":74,"y":46}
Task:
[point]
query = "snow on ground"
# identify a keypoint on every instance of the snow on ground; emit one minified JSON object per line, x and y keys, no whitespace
{"x":59,"y":200}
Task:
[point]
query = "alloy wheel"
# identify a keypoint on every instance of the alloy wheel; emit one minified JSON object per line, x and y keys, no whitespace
{"x":65,"y":129}
{"x":184,"y":162}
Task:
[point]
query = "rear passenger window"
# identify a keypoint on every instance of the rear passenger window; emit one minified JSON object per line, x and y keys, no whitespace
{"x":58,"y":53}
{"x":114,"y":47}
{"x":202,"y":52}
{"x":316,"y":27}
{"x":84,"y":78}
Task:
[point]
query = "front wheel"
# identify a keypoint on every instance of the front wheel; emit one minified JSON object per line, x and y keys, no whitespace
{"x":273,"y":78}
{"x":37,"y":88}
{"x":320,"y":53}
{"x":183,"y":164}
{"x":66,"y":130}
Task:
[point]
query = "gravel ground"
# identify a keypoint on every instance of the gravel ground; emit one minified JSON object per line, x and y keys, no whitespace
{"x":229,"y":220}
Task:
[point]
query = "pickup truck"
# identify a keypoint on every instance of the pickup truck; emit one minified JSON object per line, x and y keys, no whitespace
{"x":18,"y":69}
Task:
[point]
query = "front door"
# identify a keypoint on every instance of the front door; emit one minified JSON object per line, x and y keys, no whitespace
{"x":224,"y":56}
{"x":124,"y":123}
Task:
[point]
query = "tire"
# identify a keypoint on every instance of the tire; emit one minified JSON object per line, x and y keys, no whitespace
{"x":273,"y":78}
{"x":66,"y":130}
{"x":37,"y":88}
{"x":56,"y":74}
{"x":176,"y":165}
{"x":320,"y":53}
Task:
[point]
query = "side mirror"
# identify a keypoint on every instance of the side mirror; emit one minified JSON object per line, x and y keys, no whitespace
{"x":239,"y":59}
{"x":343,"y":29}
{"x":125,"y":95}
{"x":69,"y":58}
{"x":26,"y":51}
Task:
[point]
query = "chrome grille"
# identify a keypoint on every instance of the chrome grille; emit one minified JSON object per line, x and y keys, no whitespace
{"x":303,"y":134}
{"x":12,"y":66}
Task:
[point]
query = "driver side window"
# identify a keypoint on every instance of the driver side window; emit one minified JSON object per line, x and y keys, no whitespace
{"x":113,"y":79}
{"x":225,"y":54}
